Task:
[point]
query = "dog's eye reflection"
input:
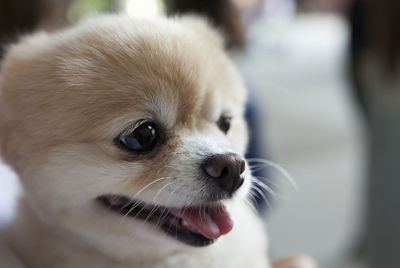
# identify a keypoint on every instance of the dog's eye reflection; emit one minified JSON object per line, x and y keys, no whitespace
{"x":143,"y":138}
{"x":224,"y":123}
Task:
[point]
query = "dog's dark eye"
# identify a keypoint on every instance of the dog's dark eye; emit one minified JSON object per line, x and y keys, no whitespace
{"x":224,"y":123}
{"x":142,"y":138}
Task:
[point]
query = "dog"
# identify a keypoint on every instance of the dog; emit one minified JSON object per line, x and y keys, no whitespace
{"x":128,"y":138}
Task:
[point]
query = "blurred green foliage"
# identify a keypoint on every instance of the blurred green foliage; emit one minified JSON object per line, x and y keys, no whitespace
{"x":81,"y":8}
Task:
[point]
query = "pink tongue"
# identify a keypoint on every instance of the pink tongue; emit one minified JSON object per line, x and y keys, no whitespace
{"x":211,"y":222}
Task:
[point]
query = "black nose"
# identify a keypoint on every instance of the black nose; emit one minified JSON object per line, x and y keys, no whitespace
{"x":225,"y":170}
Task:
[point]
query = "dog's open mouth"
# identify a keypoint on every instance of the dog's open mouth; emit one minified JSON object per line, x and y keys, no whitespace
{"x":196,"y":226}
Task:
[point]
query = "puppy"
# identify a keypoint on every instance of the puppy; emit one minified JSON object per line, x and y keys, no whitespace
{"x":128,"y":138}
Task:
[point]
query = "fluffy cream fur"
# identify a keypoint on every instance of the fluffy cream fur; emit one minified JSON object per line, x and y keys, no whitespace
{"x":65,"y":96}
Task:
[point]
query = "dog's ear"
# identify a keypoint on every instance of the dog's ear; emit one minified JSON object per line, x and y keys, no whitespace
{"x":204,"y":28}
{"x":17,"y":58}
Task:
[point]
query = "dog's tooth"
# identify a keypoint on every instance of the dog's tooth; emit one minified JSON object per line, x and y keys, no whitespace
{"x":185,"y":224}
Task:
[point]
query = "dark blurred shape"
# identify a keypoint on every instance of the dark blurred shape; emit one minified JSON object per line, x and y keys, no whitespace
{"x":357,"y":46}
{"x":376,"y":27}
{"x":383,"y":35}
{"x":256,"y":149}
{"x":222,"y":13}
{"x":16,"y":17}
{"x":337,"y":6}
{"x":375,"y":48}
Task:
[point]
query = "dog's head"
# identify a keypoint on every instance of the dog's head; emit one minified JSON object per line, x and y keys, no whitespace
{"x":120,"y":127}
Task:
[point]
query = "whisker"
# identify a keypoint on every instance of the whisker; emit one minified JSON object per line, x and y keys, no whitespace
{"x":250,"y":202}
{"x":262,"y":194}
{"x":155,"y":207}
{"x":148,"y":185}
{"x":164,"y":213}
{"x":140,"y":201}
{"x":137,"y":203}
{"x":277,"y":167}
{"x":263,"y":185}
{"x":162,"y":188}
{"x":255,"y":168}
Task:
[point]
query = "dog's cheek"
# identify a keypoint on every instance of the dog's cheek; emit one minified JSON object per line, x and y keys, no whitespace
{"x":70,"y":178}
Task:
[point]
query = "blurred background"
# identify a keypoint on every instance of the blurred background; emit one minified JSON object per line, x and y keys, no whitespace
{"x":324,"y":105}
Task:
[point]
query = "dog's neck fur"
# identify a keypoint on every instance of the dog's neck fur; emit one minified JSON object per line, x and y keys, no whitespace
{"x":38,"y":245}
{"x":42,"y":246}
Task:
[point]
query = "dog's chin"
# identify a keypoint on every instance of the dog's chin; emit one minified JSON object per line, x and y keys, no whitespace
{"x":195,"y":225}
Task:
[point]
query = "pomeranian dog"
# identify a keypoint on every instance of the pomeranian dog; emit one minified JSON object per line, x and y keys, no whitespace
{"x":128,"y":138}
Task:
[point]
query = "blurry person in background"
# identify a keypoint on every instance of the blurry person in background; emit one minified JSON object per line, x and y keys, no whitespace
{"x":375,"y":47}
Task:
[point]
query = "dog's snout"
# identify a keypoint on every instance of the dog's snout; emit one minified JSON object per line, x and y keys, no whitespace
{"x":225,"y":170}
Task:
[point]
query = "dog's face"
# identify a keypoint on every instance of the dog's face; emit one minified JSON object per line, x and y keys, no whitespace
{"x":120,"y":127}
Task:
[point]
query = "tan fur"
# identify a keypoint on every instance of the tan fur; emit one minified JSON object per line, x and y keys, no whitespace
{"x":64,"y":97}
